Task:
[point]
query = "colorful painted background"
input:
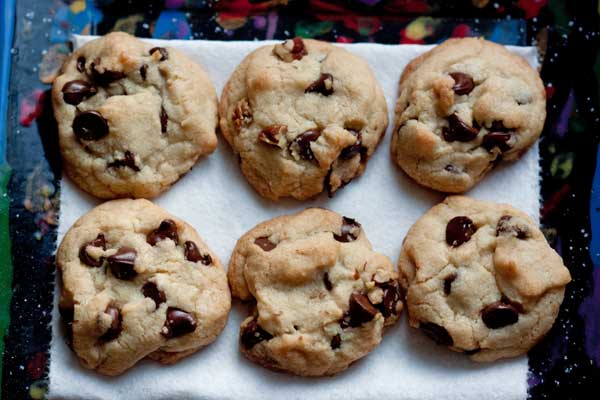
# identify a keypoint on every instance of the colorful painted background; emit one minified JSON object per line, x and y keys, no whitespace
{"x":563,"y":366}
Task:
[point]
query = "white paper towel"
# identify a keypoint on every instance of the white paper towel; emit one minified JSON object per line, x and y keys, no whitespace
{"x":220,"y":204}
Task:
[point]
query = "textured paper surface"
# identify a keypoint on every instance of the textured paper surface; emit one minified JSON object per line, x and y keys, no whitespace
{"x":217,"y":201}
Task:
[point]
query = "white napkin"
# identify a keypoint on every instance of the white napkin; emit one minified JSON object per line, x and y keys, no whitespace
{"x":220,"y":204}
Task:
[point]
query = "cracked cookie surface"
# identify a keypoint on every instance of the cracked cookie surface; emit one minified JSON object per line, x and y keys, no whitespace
{"x":463,"y":107}
{"x":321,"y":295}
{"x":138,"y":282}
{"x":132,"y":118}
{"x":303,"y":116}
{"x":481,"y":278}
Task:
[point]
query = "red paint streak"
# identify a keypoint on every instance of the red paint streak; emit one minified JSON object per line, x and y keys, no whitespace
{"x":461,"y":30}
{"x":555,"y":200}
{"x":31,"y":107}
{"x":35,"y":366}
{"x":531,"y":7}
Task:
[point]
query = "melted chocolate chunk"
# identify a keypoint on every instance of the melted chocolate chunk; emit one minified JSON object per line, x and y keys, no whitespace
{"x":458,"y":130}
{"x":122,"y":263}
{"x":85,"y":258}
{"x":353,"y":149}
{"x":127,"y":162}
{"x":104,"y":78}
{"x":192,"y":253}
{"x":496,"y":139}
{"x":74,"y":92}
{"x":327,"y":282}
{"x":448,"y":284}
{"x":252,"y":334}
{"x":360,"y":311}
{"x":452,"y":169}
{"x":81,"y":64}
{"x":323,"y":85}
{"x":437,"y":333}
{"x":299,"y":50}
{"x":499,"y":314}
{"x":164,"y":120}
{"x":164,"y":54}
{"x":90,"y":125}
{"x":144,"y":71}
{"x":178,"y":323}
{"x":336,"y":342}
{"x":264,"y":243}
{"x":166,"y":230}
{"x":349,"y":231}
{"x":506,"y":228}
{"x":463,"y":83}
{"x":391,"y":295}
{"x":301,"y":144}
{"x":115,"y":328}
{"x":459,"y":230}
{"x":151,"y":291}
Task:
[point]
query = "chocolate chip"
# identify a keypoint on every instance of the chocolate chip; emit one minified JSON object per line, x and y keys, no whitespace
{"x":164,"y":54}
{"x":85,"y":258}
{"x":122,"y":263}
{"x":74,"y":92}
{"x":178,"y":323}
{"x":336,"y":342}
{"x":518,"y":306}
{"x":353,"y":149}
{"x":151,"y":290}
{"x":458,"y":130}
{"x":323,"y":85}
{"x":81,"y":64}
{"x":459,"y":230}
{"x":272,"y":134}
{"x":301,"y":144}
{"x":128,"y":161}
{"x":471,"y":352}
{"x":104,"y":78}
{"x":166,"y":230}
{"x":496,"y":139}
{"x":448,"y":283}
{"x":437,"y":333}
{"x":299,"y":50}
{"x":264,"y":243}
{"x":506,"y":228}
{"x":115,"y":327}
{"x":463,"y":83}
{"x":164,"y":120}
{"x":90,"y":125}
{"x":360,"y":311}
{"x":252,"y":334}
{"x":452,"y":169}
{"x":349,"y":231}
{"x":326,"y":281}
{"x":499,"y":314}
{"x":144,"y":71}
{"x":193,"y":254}
{"x":391,"y":296}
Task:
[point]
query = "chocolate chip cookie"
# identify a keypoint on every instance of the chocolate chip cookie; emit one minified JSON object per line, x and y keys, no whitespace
{"x":321,"y":296}
{"x":138,"y":282}
{"x":132,"y":118}
{"x":303,"y":116}
{"x":481,"y":279}
{"x":462,"y":108}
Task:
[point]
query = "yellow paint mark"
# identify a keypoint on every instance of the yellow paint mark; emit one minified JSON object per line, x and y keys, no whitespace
{"x":77,"y":6}
{"x":420,"y":28}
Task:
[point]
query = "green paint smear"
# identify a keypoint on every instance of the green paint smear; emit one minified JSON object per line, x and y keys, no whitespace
{"x":5,"y":260}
